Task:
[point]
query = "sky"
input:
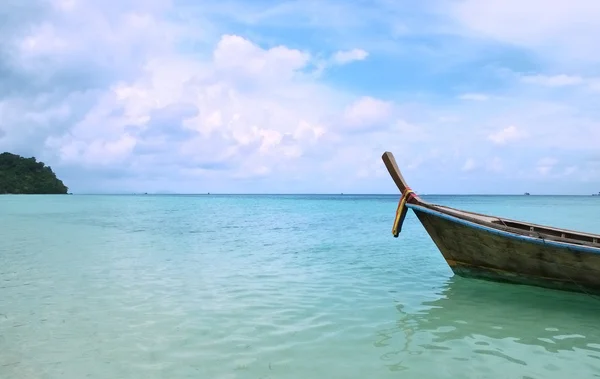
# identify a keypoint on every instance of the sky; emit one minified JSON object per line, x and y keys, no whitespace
{"x":231,"y":96}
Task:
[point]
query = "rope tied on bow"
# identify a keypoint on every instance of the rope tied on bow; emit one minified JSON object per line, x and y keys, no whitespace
{"x":401,"y":211}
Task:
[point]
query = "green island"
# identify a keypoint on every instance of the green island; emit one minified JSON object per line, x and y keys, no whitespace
{"x":20,"y":175}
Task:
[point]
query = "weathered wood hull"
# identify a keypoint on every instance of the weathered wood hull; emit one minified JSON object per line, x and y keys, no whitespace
{"x":479,"y":251}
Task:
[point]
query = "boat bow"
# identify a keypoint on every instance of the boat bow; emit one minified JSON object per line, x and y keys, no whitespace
{"x":500,"y":249}
{"x":407,"y":195}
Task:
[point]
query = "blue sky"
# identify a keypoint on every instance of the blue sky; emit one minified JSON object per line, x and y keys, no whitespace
{"x":304,"y":96}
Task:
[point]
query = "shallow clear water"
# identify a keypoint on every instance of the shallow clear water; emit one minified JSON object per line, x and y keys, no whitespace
{"x":273,"y":287}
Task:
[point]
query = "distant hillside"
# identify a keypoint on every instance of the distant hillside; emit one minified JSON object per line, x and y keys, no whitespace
{"x":19,"y":175}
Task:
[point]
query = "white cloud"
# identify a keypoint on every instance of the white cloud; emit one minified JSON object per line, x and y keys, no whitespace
{"x":339,"y":58}
{"x":368,"y":113}
{"x":242,"y":102}
{"x":469,"y":165}
{"x":562,"y":30}
{"x":239,"y":59}
{"x":545,"y":165}
{"x":343,"y":57}
{"x":508,"y":134}
{"x":552,"y":81}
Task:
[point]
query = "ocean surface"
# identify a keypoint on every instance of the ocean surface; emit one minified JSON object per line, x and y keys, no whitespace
{"x":292,"y":287}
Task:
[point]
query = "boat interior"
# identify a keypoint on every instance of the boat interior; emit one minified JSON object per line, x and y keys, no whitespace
{"x":522,"y":227}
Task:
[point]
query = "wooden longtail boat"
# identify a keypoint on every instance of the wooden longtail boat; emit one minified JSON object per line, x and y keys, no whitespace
{"x":499,"y":249}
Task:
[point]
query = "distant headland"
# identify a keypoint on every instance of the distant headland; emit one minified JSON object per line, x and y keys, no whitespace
{"x":20,"y":175}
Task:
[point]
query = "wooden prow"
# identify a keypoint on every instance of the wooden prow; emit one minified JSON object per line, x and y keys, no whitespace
{"x":392,"y":167}
{"x":406,"y":194}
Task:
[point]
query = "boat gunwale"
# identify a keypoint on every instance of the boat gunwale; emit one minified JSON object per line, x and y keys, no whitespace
{"x":506,"y":231}
{"x":441,"y":208}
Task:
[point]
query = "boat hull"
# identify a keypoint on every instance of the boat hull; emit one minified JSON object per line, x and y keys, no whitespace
{"x":478,"y":251}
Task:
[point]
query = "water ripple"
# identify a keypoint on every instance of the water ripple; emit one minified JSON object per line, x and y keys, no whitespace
{"x":263,"y":287}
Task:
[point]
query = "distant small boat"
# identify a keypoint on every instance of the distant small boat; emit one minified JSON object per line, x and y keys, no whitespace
{"x":527,"y":194}
{"x":499,"y":249}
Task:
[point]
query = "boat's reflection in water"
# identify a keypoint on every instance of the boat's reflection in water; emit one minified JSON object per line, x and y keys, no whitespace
{"x":496,"y":328}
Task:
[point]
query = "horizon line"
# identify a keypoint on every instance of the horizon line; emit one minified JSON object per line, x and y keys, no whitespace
{"x":310,"y":194}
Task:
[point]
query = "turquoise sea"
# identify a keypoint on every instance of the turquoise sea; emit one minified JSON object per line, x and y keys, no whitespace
{"x":293,"y":287}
